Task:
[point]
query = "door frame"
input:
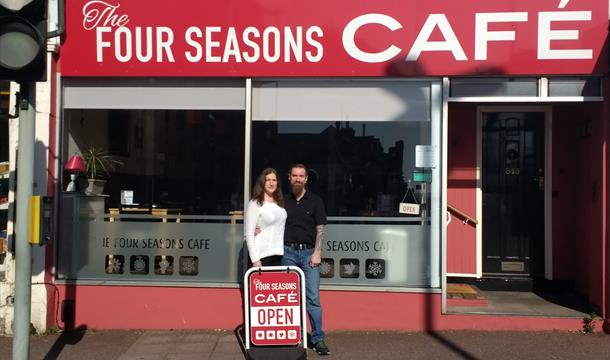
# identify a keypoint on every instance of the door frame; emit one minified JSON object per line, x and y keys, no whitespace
{"x":548,"y":228}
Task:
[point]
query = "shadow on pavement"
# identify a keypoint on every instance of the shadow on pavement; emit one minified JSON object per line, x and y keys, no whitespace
{"x":68,"y":337}
{"x":428,"y":311}
{"x":451,"y":345}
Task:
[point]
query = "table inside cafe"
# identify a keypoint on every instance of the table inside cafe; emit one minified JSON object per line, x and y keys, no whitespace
{"x":165,"y":214}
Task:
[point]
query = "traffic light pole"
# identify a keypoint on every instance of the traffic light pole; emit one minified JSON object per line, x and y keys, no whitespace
{"x":23,"y":249}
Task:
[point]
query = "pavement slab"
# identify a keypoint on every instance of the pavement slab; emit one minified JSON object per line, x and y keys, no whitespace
{"x":221,"y":345}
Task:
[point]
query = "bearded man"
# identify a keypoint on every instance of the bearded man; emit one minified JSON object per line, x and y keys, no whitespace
{"x":303,"y":239}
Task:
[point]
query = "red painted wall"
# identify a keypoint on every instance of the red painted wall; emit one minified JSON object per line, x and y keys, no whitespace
{"x":120,"y":307}
{"x":124,"y":307}
{"x":419,"y":312}
{"x":578,"y":254}
{"x":461,"y":187}
{"x":596,"y":220}
{"x":563,"y":197}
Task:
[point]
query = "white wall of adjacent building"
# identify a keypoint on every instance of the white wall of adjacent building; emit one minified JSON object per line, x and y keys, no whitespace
{"x":38,"y":316}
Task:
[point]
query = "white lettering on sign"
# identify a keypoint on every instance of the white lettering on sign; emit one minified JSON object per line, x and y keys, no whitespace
{"x":231,"y":47}
{"x":546,"y":35}
{"x":249,"y":33}
{"x":275,"y":316}
{"x":275,"y":298}
{"x":271,"y":38}
{"x":312,"y":33}
{"x":422,"y":43}
{"x":197,"y":53}
{"x":100,"y":13}
{"x":272,"y":44}
{"x":212,"y":44}
{"x":144,"y":57}
{"x":303,"y":43}
{"x":483,"y":36}
{"x":259,"y":285}
{"x":349,"y":35}
{"x":101,"y":44}
{"x":122,"y":40}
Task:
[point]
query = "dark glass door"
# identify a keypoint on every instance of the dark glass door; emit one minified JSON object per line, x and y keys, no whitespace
{"x":513,"y":193}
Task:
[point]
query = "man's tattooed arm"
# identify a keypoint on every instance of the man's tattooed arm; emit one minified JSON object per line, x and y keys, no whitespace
{"x":319,"y":237}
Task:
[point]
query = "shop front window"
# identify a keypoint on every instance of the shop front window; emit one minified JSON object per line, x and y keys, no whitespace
{"x":361,"y":169}
{"x":360,"y":141}
{"x":171,"y":206}
{"x":187,"y":160}
{"x":172,"y":209}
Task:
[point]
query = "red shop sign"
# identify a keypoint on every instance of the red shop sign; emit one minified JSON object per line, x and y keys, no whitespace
{"x":275,"y":309}
{"x":253,"y":38}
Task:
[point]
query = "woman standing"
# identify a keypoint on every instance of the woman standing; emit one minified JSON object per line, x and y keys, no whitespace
{"x":266,"y":213}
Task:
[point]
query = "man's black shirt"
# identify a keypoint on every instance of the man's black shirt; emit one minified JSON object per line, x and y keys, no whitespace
{"x":303,"y":216}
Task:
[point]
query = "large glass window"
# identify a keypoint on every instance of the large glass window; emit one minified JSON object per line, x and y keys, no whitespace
{"x":170,"y":208}
{"x":190,"y":160}
{"x":362,"y":141}
{"x":359,"y":168}
{"x":171,"y":211}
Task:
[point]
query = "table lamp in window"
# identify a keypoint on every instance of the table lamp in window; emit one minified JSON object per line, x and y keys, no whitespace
{"x":74,"y":166}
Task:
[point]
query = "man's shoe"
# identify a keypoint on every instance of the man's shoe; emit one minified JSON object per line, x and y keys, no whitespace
{"x":321,"y":348}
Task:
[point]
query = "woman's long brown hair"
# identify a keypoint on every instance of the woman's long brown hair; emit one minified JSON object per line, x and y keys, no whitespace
{"x":258,"y":191}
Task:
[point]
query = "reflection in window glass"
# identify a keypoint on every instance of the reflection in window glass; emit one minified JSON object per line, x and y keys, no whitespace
{"x":191,"y":160}
{"x":358,"y":168}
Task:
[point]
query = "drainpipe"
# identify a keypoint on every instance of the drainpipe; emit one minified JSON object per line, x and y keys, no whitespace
{"x":606,"y":187}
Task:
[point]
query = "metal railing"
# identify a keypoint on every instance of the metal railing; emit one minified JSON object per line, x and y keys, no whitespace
{"x":466,"y":218}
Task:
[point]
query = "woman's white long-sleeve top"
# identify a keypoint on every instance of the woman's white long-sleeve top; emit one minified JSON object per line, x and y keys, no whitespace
{"x":271,"y":219}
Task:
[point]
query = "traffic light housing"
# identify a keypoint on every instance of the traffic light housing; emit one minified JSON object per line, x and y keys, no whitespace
{"x":23,"y":40}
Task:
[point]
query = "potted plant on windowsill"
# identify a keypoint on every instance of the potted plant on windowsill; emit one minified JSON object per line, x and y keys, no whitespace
{"x":99,"y":164}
